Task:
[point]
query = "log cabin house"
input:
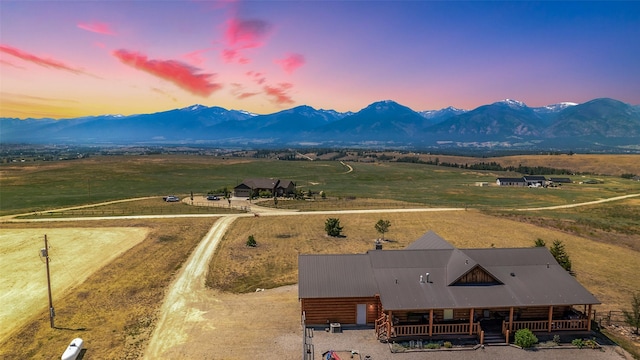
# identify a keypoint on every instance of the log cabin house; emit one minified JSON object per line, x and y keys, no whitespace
{"x":253,"y":187}
{"x":432,"y":289}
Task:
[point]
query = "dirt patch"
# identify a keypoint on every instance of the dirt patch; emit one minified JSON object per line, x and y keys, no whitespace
{"x":75,"y":253}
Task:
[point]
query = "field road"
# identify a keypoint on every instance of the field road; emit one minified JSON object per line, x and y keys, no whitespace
{"x":180,"y":310}
{"x":580,"y":204}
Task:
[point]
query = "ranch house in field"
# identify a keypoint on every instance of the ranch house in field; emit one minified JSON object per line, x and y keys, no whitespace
{"x":253,"y":187}
{"x":432,"y":289}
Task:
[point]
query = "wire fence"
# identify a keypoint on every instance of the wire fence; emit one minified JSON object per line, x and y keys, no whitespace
{"x":163,"y":209}
{"x":612,"y":317}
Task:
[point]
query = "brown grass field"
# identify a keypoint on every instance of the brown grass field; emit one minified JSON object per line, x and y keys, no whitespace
{"x":238,"y":268}
{"x":116,"y":307}
{"x":580,"y":163}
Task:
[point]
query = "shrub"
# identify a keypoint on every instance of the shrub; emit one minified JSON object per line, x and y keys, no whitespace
{"x":577,"y":343}
{"x":432,"y":346}
{"x":251,"y":241}
{"x":447,"y":344}
{"x":591,"y":343}
{"x":556,"y":339}
{"x":525,"y":338}
{"x":332,"y":227}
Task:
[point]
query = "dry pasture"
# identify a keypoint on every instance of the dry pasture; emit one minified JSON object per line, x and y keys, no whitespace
{"x":114,"y":308}
{"x":609,"y":271}
{"x":74,"y":253}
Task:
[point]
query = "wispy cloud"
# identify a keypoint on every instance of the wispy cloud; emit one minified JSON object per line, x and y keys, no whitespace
{"x":24,"y":106}
{"x":181,"y":74}
{"x":164,"y":93}
{"x":242,"y":34}
{"x":256,"y":77}
{"x":291,"y":62}
{"x":8,"y":63}
{"x":97,"y":27}
{"x":239,"y":92}
{"x":278,"y":94}
{"x":49,"y":63}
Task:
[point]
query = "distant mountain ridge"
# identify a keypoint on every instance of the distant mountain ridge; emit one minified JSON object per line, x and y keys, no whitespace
{"x":604,"y":124}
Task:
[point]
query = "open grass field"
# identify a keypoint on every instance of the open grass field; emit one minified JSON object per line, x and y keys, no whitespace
{"x":28,"y":187}
{"x":238,"y":268}
{"x":117,"y":305}
{"x":75,"y":254}
{"x":609,"y":164}
{"x":114,"y":308}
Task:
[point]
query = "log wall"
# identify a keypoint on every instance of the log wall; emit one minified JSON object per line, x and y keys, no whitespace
{"x":340,"y":310}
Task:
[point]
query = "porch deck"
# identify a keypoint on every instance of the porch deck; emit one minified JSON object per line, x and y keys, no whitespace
{"x":385,"y":330}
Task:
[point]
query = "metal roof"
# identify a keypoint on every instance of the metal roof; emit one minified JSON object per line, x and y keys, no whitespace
{"x":326,"y":276}
{"x":528,"y":277}
{"x":430,"y":240}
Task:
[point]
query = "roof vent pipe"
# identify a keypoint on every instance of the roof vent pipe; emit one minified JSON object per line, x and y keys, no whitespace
{"x":421,"y":280}
{"x":427,"y":277}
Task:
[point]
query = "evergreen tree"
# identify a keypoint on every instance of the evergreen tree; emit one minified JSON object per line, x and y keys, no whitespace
{"x":332,"y":227}
{"x":561,"y":256}
{"x":632,"y":318}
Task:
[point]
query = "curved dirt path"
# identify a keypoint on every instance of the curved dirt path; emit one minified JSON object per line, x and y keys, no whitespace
{"x":580,"y":204}
{"x":181,"y":310}
{"x":348,"y":166}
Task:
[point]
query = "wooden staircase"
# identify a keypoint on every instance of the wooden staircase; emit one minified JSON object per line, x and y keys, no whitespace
{"x":493,"y":332}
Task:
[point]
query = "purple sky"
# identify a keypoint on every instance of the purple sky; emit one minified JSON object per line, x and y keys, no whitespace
{"x":75,"y":58}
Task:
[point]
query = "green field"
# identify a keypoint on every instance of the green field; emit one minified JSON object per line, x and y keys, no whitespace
{"x":27,"y":187}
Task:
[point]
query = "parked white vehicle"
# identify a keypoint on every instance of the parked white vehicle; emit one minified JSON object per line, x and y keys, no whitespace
{"x":73,"y":350}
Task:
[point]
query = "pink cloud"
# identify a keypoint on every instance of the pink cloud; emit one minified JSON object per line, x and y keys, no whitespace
{"x":246,"y":34}
{"x":278,"y":94}
{"x":8,"y":63}
{"x":97,"y":27}
{"x":291,"y":62}
{"x":241,"y":35}
{"x":176,"y":72}
{"x":257,"y":77}
{"x":239,"y":92}
{"x":50,"y":63}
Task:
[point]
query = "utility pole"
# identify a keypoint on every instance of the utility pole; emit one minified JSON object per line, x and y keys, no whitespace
{"x":45,"y":254}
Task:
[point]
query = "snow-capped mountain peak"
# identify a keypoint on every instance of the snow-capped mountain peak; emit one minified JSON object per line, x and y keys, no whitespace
{"x":513,"y":103}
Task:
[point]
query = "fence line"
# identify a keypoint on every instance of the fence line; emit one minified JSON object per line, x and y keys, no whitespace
{"x":612,"y":317}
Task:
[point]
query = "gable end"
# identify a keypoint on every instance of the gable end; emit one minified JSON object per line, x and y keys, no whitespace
{"x":476,"y":276}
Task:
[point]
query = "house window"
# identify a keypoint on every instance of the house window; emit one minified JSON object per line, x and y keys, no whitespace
{"x":448,"y":314}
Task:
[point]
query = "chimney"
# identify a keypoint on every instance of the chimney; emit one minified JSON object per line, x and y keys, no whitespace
{"x":378,"y":244}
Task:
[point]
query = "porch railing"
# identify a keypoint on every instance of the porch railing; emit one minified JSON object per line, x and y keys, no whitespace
{"x":543,"y":325}
{"x":438,"y":329}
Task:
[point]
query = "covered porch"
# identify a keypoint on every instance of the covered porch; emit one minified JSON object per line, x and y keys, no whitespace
{"x":469,"y":322}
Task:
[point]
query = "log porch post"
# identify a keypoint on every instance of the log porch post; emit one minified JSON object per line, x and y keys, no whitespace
{"x":471,"y":321}
{"x":511,"y":318}
{"x":430,"y":322}
{"x":589,"y":318}
{"x":550,"y":317}
{"x":389,"y":323}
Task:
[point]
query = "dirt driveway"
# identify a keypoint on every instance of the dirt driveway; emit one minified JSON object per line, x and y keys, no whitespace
{"x":75,"y":253}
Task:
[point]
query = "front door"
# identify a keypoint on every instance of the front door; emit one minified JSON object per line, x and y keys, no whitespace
{"x":362,"y":314}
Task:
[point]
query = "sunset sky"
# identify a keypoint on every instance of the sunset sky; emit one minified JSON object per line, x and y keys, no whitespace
{"x":64,"y":59}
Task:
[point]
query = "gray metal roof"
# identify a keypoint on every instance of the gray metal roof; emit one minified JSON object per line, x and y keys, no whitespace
{"x":326,"y":276}
{"x":430,"y":240}
{"x":528,"y":277}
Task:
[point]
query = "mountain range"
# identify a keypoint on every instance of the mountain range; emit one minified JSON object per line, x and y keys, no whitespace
{"x":601,"y":124}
